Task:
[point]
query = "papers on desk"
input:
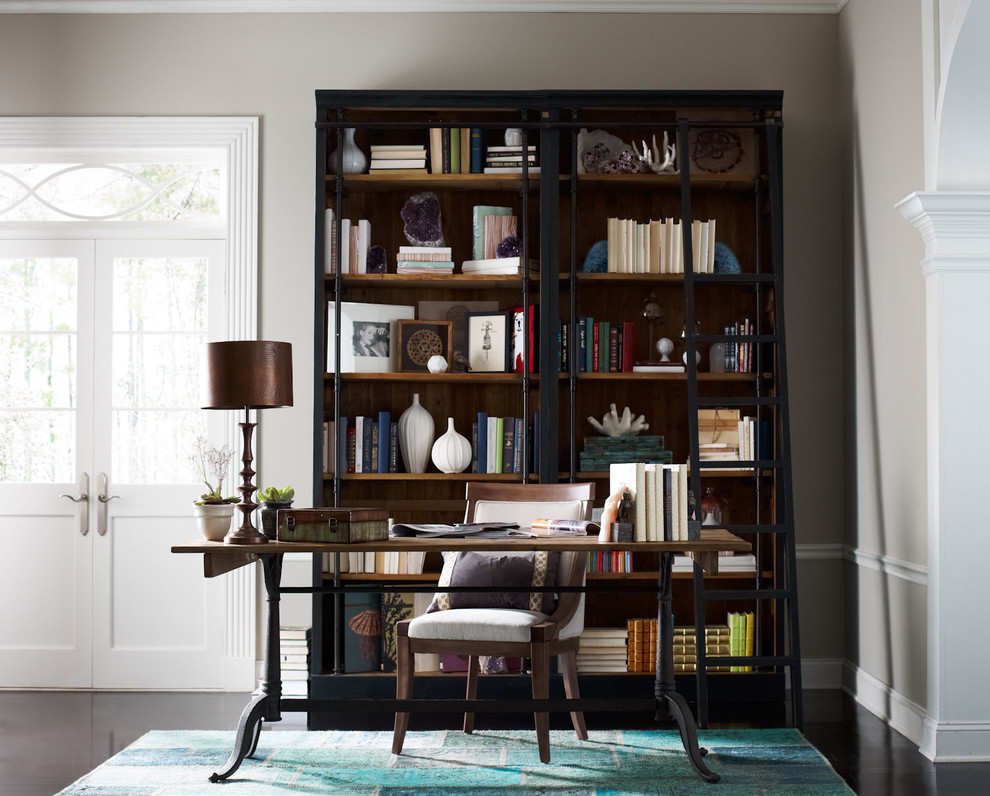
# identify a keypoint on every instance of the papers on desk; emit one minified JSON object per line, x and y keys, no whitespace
{"x":492,"y":530}
{"x":474,"y":530}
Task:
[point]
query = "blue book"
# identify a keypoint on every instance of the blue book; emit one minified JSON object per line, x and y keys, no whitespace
{"x":366,"y":447}
{"x":482,"y":442}
{"x":589,"y":344}
{"x":384,"y":423}
{"x":474,"y":447}
{"x":393,"y":447}
{"x":477,"y":147}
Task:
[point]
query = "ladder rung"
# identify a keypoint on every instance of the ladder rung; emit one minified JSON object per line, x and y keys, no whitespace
{"x":751,"y":660}
{"x":748,"y":594}
{"x":767,"y":528}
{"x":762,"y":400}
{"x":739,"y":464}
{"x":735,"y":338}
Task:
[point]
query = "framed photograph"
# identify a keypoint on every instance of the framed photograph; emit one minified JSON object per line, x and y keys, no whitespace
{"x":489,"y":341}
{"x":454,"y":311}
{"x":368,"y":336}
{"x":420,"y":340}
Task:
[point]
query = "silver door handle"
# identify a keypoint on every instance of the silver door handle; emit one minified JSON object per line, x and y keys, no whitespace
{"x":83,"y":497}
{"x":101,"y":509}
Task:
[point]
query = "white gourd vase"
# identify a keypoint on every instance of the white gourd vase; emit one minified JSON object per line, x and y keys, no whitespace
{"x":415,"y":436}
{"x":451,"y":451}
{"x":355,"y":161}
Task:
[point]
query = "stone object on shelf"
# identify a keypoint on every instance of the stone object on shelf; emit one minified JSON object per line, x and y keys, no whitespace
{"x":596,"y":260}
{"x":422,"y":222}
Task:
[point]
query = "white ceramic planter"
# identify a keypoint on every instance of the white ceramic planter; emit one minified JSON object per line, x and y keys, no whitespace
{"x":214,"y":520}
{"x":452,"y":451}
{"x":415,"y":436}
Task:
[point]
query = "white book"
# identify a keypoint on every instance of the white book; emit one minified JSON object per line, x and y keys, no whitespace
{"x":358,"y":447}
{"x":682,"y":501}
{"x":654,"y":502}
{"x":369,"y":561}
{"x":424,"y":250}
{"x":345,"y":246}
{"x":493,"y":440}
{"x":646,"y":248}
{"x":630,"y":261}
{"x":364,"y":234}
{"x":710,"y":265}
{"x":398,"y":163}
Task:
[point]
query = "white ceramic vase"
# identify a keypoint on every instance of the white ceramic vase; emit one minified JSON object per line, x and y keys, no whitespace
{"x":213,"y":520}
{"x":452,"y":451}
{"x":355,"y":161}
{"x":415,"y":436}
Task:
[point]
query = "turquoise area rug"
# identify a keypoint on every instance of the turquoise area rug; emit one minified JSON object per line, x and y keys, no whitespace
{"x":487,"y":763}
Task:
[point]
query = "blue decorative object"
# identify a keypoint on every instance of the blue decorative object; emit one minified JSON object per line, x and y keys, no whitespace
{"x":725,"y":260}
{"x":596,"y":261}
{"x":511,"y":246}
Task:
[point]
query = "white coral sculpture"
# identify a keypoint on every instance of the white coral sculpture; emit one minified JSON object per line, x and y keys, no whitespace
{"x":652,"y":158}
{"x":614,"y":426}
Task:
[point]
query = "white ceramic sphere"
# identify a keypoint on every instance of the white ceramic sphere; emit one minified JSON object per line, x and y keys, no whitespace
{"x":437,"y":364}
{"x":664,"y":347}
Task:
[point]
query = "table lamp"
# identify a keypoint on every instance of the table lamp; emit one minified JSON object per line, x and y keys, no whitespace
{"x":247,"y":374}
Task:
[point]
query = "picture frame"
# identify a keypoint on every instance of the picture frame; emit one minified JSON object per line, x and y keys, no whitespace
{"x":489,"y":341}
{"x":368,"y":336}
{"x":454,"y":311}
{"x":419,"y":340}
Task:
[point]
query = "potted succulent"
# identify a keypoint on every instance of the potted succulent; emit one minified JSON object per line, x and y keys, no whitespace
{"x":274,"y":499}
{"x":213,"y":511}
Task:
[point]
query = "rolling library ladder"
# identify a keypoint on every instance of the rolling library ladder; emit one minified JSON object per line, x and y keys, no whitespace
{"x":776,"y":531}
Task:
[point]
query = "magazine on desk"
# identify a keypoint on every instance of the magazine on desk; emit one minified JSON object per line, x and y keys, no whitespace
{"x":492,"y":530}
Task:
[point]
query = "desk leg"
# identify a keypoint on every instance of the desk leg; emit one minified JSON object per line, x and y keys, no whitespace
{"x":266,"y":706}
{"x":670,"y":704}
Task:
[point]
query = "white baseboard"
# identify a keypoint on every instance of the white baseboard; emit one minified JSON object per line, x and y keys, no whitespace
{"x":902,"y":714}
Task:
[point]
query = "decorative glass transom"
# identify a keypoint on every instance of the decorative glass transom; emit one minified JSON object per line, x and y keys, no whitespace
{"x":140,"y":192}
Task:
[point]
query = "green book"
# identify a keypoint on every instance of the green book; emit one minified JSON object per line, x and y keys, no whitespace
{"x":499,"y":431}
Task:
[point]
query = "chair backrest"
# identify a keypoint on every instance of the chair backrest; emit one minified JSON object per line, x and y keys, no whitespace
{"x":522,"y":503}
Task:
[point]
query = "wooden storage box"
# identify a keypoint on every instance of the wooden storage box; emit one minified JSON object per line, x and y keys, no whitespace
{"x":340,"y":526}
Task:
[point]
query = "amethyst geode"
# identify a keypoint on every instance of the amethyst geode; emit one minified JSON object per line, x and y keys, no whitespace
{"x":421,"y":218}
{"x":377,"y":260}
{"x":510,"y":247}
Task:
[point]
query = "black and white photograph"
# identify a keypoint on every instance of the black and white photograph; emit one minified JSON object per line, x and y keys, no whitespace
{"x":368,"y":336}
{"x":488,"y":337}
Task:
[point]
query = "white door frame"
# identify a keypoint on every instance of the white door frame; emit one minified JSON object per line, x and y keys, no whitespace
{"x":238,"y":138}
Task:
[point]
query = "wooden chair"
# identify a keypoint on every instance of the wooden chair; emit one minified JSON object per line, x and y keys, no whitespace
{"x":508,"y":632}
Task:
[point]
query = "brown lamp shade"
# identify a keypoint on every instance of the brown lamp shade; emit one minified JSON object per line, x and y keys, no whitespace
{"x":252,"y":374}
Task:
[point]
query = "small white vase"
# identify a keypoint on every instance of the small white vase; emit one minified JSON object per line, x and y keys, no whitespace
{"x":355,"y":161}
{"x":452,"y":451}
{"x":415,"y":433}
{"x":213,"y":520}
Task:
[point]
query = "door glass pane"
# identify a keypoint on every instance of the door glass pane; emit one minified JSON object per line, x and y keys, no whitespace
{"x":159,"y":327}
{"x":38,"y":352}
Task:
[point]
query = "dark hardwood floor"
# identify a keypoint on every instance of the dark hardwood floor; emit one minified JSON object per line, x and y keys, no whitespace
{"x":50,"y":739}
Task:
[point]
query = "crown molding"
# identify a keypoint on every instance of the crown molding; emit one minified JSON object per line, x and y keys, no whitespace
{"x":421,"y":6}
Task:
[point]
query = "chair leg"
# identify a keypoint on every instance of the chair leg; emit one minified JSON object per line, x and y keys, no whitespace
{"x":540,"y":663}
{"x":568,"y":662}
{"x":472,"y":690}
{"x":404,"y":671}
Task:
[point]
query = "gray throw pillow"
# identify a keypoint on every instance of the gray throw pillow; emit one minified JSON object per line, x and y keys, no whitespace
{"x":467,"y":568}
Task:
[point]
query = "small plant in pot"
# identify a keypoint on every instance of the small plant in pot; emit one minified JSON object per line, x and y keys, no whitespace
{"x":274,"y":499}
{"x":213,"y":511}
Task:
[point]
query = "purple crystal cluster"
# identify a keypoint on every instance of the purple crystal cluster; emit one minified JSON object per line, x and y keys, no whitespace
{"x":509,"y":247}
{"x":421,"y":218}
{"x":599,"y":159}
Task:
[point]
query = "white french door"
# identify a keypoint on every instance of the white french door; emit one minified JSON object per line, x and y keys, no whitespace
{"x":99,"y":365}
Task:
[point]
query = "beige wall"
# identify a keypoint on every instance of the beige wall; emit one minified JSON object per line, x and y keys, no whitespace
{"x":884,"y":345}
{"x":269,"y":65}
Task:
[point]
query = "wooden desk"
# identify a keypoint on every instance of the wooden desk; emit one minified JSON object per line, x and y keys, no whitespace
{"x":219,"y":558}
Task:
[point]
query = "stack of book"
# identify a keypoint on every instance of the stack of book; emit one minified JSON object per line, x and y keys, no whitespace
{"x":510,"y":159}
{"x":455,"y":150}
{"x":641,"y":648}
{"x":602,"y":649}
{"x":497,"y":444}
{"x":398,"y":159}
{"x":723,"y":435}
{"x":293,"y":649}
{"x":499,"y":266}
{"x":741,"y":632}
{"x":424,"y":260}
{"x":355,"y":240}
{"x":659,"y":499}
{"x":686,"y":647}
{"x":368,"y":444}
{"x":727,"y":562}
{"x":381,"y":563}
{"x":657,"y":246}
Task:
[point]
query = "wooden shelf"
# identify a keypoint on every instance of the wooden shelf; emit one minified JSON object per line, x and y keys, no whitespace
{"x":426,"y":477}
{"x":455,"y":378}
{"x":446,"y":281}
{"x":447,"y":182}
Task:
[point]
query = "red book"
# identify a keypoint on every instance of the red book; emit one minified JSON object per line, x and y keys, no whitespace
{"x":594,"y":350}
